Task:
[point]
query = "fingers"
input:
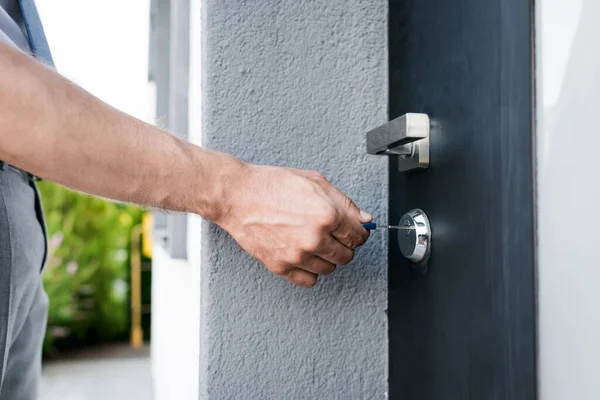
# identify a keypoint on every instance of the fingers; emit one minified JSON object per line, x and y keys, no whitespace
{"x":347,"y":226}
{"x":347,"y":203}
{"x":317,"y":228}
{"x":307,"y":273}
{"x":318,"y":266}
{"x":350,"y":231}
{"x":331,"y":254}
{"x":336,"y":195}
{"x":333,"y":251}
{"x":300,"y":277}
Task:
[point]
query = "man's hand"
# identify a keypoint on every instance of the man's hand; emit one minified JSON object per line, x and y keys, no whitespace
{"x":295,"y":222}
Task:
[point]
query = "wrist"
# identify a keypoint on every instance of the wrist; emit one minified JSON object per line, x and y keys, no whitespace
{"x":226,"y":175}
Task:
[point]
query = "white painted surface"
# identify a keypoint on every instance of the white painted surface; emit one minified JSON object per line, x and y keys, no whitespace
{"x":102,"y":45}
{"x":175,"y":328}
{"x":568,"y":96}
{"x":176,"y":283}
{"x":194,"y":223}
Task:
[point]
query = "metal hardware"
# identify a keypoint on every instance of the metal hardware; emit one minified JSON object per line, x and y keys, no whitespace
{"x":406,"y":137}
{"x":415,"y":244}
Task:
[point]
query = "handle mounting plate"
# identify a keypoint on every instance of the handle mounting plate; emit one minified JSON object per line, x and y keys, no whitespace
{"x":406,"y":137}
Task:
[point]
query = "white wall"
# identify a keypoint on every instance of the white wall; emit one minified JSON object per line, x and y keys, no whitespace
{"x":568,"y":102}
{"x":176,"y":283}
{"x":175,"y":329}
{"x":102,"y":45}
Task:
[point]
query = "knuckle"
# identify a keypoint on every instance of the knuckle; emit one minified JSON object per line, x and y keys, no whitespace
{"x":312,"y":243}
{"x":349,"y":203}
{"x":329,"y":217}
{"x":358,"y":240}
{"x":280,"y":270}
{"x":333,"y":255}
{"x":292,"y":276}
{"x":296,"y":257}
{"x":354,"y":243}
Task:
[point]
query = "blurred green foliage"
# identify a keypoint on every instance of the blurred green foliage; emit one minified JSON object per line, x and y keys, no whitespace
{"x":87,"y":272}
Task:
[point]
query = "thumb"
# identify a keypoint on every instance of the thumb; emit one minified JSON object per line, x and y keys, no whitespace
{"x":353,"y":209}
{"x":337,"y":195}
{"x":365,"y":217}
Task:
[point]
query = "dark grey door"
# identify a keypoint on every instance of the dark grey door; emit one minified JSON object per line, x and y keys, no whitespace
{"x":465,"y":329}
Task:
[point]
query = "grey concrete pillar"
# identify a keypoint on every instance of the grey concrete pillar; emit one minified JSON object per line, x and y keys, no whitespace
{"x":295,"y":83}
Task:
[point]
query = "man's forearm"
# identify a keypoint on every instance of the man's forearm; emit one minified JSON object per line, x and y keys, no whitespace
{"x":56,"y":130}
{"x":295,"y":222}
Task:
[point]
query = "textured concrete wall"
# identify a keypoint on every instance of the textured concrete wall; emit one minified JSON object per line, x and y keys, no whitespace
{"x":295,"y":83}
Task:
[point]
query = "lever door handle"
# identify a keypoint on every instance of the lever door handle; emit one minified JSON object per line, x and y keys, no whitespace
{"x":407,"y":137}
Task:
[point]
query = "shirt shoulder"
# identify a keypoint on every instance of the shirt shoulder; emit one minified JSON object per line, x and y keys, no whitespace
{"x":11,"y":25}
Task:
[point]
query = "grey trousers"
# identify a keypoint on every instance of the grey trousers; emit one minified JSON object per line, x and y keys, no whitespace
{"x":23,"y":302}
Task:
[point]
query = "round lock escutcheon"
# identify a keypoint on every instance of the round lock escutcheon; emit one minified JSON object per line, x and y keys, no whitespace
{"x":415,"y":239}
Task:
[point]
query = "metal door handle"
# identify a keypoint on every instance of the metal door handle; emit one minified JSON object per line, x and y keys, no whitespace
{"x":407,"y":137}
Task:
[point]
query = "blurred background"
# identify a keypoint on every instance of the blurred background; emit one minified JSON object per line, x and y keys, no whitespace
{"x":99,"y":267}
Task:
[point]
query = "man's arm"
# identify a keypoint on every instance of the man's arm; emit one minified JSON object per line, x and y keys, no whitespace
{"x":295,"y":222}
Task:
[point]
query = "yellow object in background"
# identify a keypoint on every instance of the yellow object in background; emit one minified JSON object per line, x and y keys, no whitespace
{"x":147,"y":223}
{"x":136,"y":333}
{"x":141,"y":244}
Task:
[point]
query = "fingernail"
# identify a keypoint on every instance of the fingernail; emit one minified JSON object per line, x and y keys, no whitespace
{"x":365,"y":216}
